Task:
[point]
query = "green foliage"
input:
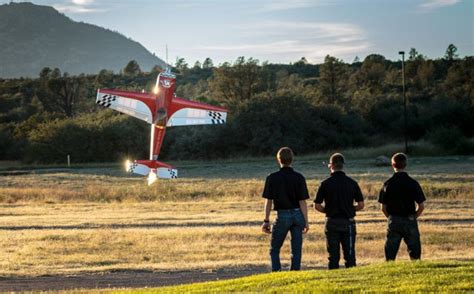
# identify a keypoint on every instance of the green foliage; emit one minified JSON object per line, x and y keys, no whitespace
{"x":425,"y":276}
{"x":311,"y":108}
{"x":451,"y":140}
{"x":132,"y":69}
{"x":102,"y":137}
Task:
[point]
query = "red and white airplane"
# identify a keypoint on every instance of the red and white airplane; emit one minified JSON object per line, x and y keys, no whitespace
{"x":161,"y":109}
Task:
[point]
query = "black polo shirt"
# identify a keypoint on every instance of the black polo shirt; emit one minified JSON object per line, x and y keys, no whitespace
{"x":399,"y":194}
{"x":286,"y":188}
{"x":339,"y":193}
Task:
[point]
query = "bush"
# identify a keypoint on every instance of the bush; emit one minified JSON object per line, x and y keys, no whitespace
{"x":451,"y":140}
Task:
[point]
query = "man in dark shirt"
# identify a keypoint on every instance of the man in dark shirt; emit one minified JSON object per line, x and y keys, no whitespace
{"x":339,"y":192}
{"x":398,"y":197}
{"x":287,"y":191}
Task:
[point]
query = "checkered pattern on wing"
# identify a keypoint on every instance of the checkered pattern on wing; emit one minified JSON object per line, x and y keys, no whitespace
{"x":216,"y":117}
{"x":106,"y":100}
{"x":132,"y":167}
{"x":173,"y":173}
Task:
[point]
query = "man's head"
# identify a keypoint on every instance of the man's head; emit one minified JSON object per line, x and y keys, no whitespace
{"x":285,"y":156}
{"x":399,"y":161}
{"x":336,"y":162}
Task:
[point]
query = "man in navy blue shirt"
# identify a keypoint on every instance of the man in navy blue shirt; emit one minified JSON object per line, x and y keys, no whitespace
{"x":286,"y":190}
{"x":402,"y":202}
{"x":339,"y":194}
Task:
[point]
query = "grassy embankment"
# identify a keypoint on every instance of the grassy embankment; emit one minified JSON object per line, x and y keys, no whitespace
{"x":423,"y":276}
{"x":100,"y":219}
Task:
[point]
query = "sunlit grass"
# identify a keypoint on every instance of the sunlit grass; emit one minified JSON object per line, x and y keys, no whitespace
{"x":431,"y":277}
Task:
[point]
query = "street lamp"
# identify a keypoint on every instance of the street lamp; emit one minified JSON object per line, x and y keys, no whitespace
{"x":402,"y":53}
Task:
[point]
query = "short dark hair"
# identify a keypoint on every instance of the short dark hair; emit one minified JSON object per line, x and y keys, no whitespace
{"x":285,"y":155}
{"x":337,"y":160}
{"x":399,"y":160}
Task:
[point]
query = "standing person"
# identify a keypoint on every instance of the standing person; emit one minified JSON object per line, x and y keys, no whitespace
{"x":398,"y":197}
{"x":339,"y":193}
{"x":287,"y":191}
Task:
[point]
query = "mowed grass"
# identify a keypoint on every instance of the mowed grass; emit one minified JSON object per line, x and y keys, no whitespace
{"x":423,"y":276}
{"x":101,"y":219}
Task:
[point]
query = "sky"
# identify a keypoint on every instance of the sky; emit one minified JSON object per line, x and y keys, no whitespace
{"x":282,"y":31}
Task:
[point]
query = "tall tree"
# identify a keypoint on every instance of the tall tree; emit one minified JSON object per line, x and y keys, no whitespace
{"x":331,"y":81}
{"x":66,"y":91}
{"x":207,"y":64}
{"x":132,"y":69}
{"x":451,"y":52}
{"x":237,"y":83}
{"x":181,"y":64}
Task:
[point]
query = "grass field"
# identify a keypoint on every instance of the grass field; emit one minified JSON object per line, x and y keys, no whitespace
{"x":99,"y":219}
{"x":433,"y":277}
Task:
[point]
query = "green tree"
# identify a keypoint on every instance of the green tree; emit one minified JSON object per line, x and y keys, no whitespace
{"x":197,"y":65}
{"x":132,"y":69}
{"x":237,"y":83}
{"x":181,"y":64}
{"x":332,"y":80}
{"x":451,"y":53}
{"x":207,"y":64}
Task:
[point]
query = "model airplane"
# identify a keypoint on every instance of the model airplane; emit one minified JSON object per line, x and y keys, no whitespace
{"x":161,"y":109}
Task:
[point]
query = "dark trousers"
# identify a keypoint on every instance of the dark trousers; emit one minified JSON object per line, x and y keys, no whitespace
{"x":340,"y":232}
{"x":405,"y":228}
{"x":292,"y":221}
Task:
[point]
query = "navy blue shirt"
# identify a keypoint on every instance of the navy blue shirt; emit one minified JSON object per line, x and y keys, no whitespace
{"x":286,"y":188}
{"x":338,"y":192}
{"x":399,"y":194}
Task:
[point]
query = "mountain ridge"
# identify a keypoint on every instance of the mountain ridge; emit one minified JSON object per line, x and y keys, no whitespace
{"x":37,"y":36}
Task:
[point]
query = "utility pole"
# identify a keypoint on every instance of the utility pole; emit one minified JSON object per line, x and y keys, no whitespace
{"x":402,"y":53}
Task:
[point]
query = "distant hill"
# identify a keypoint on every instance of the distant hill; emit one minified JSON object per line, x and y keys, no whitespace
{"x":33,"y":37}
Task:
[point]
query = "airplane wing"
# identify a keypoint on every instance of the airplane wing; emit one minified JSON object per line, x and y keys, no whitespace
{"x":139,"y":105}
{"x":185,"y":112}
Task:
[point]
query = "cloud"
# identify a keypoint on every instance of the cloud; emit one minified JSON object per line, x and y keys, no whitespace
{"x":82,"y":2}
{"x":429,"y":5}
{"x":291,"y":40}
{"x":78,"y":6}
{"x":278,"y":5}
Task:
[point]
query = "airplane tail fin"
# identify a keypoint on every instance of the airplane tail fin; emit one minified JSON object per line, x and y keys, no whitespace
{"x":154,"y":169}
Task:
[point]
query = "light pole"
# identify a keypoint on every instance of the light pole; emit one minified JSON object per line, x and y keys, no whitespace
{"x":402,"y":53}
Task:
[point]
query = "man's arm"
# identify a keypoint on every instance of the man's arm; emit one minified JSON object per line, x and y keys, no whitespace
{"x":266,"y":223}
{"x":384,"y":210}
{"x":304,"y":210}
{"x":319,"y":207}
{"x":359,"y":206}
{"x":421,"y":207}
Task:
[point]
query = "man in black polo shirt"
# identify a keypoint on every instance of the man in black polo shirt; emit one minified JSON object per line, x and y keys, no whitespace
{"x":287,"y":191}
{"x":339,"y":193}
{"x":398,"y":197}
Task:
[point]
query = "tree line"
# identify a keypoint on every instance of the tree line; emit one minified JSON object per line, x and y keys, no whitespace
{"x":310,"y":107}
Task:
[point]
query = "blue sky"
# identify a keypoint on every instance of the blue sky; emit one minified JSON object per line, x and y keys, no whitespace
{"x":282,"y":31}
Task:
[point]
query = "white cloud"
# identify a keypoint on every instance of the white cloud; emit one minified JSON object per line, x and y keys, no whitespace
{"x":82,"y":2}
{"x":429,"y":5}
{"x":276,"y":5}
{"x":78,"y":6}
{"x":292,"y":40}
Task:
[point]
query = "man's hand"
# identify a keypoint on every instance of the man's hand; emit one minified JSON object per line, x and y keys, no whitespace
{"x":306,"y":228}
{"x":266,"y":228}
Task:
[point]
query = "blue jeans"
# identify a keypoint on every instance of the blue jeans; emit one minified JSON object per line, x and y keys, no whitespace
{"x":291,"y":220}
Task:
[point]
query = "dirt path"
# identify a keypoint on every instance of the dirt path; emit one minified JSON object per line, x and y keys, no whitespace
{"x":122,"y":279}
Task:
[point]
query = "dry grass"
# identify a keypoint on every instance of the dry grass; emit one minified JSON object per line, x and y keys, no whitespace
{"x":72,"y":238}
{"x":99,"y":219}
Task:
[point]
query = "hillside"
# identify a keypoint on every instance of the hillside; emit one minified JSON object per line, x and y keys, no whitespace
{"x":387,"y":277}
{"x":34,"y":37}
